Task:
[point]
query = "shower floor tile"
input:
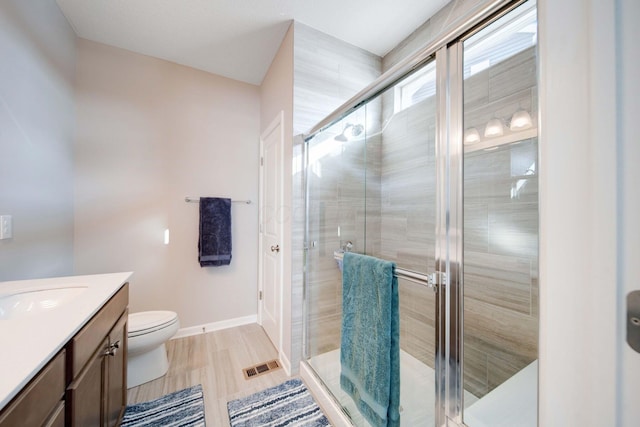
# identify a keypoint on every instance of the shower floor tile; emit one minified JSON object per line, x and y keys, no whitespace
{"x":417,"y":389}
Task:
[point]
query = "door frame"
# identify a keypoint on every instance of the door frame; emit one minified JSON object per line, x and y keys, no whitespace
{"x":277,"y":121}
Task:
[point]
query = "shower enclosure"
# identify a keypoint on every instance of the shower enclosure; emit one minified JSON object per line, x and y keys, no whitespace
{"x":434,"y":167}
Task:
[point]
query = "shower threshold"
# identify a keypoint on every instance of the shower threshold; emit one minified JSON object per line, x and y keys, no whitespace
{"x":417,"y":389}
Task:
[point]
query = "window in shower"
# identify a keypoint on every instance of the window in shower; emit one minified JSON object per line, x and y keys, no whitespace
{"x":416,"y":88}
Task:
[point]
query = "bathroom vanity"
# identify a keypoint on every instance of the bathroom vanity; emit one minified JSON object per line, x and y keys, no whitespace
{"x":66,"y":361}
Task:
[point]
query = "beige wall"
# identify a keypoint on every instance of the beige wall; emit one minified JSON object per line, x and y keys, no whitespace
{"x":276,"y":90}
{"x":37,"y":70}
{"x":276,"y":95}
{"x":149,"y":133}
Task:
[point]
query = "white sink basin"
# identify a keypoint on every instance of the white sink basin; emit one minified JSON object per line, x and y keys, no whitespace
{"x":37,"y":301}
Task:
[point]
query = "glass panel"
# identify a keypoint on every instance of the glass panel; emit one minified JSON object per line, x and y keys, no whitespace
{"x":335,"y":218}
{"x":408,"y":178}
{"x":406,"y":211}
{"x":501,"y":223}
{"x":371,"y":189}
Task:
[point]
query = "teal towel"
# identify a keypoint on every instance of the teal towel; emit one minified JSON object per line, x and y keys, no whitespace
{"x":370,"y":343}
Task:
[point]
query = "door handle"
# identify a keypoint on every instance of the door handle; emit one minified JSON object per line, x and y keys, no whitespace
{"x":633,"y":320}
{"x":275,"y":248}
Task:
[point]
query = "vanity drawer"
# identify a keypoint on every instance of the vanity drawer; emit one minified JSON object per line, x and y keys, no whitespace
{"x":85,"y":343}
{"x":39,"y":398}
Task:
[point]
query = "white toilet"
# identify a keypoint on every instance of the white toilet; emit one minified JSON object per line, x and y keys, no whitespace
{"x":147,"y":354}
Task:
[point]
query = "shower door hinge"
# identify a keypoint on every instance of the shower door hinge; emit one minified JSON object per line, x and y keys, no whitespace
{"x":260,"y":295}
{"x":261,"y":161}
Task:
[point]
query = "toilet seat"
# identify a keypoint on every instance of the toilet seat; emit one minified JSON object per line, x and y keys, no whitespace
{"x":150,"y":321}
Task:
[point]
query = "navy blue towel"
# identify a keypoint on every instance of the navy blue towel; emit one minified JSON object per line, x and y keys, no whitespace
{"x":214,"y":243}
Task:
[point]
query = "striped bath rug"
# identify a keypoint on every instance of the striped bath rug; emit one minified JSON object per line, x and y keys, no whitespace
{"x":184,"y":408}
{"x":287,"y":404}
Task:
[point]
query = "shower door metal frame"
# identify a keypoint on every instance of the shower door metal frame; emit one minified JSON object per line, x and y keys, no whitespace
{"x":449,"y":244}
{"x":441,"y":338}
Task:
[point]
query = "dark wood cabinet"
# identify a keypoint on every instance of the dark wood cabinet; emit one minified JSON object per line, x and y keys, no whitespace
{"x":96,"y":395}
{"x":85,"y":384}
{"x":85,"y":394}
{"x":116,"y":369}
{"x":57,"y":417}
{"x":36,"y":404}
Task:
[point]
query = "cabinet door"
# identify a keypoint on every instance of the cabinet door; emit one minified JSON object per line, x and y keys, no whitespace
{"x":32,"y":406}
{"x":116,"y":398}
{"x":85,"y":394}
{"x":57,"y":418}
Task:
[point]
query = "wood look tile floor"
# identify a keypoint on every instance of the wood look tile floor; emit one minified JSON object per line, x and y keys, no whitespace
{"x":215,"y":360}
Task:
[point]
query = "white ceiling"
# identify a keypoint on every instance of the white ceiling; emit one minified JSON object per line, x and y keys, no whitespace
{"x":239,"y":38}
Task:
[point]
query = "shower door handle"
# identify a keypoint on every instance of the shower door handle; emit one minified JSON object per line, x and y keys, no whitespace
{"x":275,"y":248}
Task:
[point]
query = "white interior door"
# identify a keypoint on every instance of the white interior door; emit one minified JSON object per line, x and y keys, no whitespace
{"x":271,"y":230}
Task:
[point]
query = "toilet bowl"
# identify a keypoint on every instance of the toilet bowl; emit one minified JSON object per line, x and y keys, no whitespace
{"x":146,"y":351}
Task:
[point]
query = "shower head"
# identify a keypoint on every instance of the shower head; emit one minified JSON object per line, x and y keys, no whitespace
{"x":350,"y":131}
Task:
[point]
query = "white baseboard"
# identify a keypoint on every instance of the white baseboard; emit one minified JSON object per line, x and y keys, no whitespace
{"x":329,"y":406}
{"x":215,"y":326}
{"x":286,"y":364}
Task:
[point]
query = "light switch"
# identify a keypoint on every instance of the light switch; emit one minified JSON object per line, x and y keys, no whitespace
{"x":6,"y":228}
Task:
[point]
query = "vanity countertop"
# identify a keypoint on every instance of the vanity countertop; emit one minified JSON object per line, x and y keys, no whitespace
{"x":30,"y":340}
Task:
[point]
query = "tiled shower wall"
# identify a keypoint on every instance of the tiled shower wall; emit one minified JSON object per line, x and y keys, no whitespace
{"x":327,"y":72}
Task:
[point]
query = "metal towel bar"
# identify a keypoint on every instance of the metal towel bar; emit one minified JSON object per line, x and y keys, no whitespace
{"x":197,"y":200}
{"x":429,"y":280}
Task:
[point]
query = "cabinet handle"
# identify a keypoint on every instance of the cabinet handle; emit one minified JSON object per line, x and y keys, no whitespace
{"x":113,"y":349}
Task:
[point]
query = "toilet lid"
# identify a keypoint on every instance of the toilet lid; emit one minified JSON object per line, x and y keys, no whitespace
{"x":148,"y":320}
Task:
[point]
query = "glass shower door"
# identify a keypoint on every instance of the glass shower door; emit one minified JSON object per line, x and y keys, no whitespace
{"x":438,"y":173}
{"x":404,"y":212}
{"x":335,"y":223}
{"x":371,"y":189}
{"x":335,"y":179}
{"x":500,"y":251}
